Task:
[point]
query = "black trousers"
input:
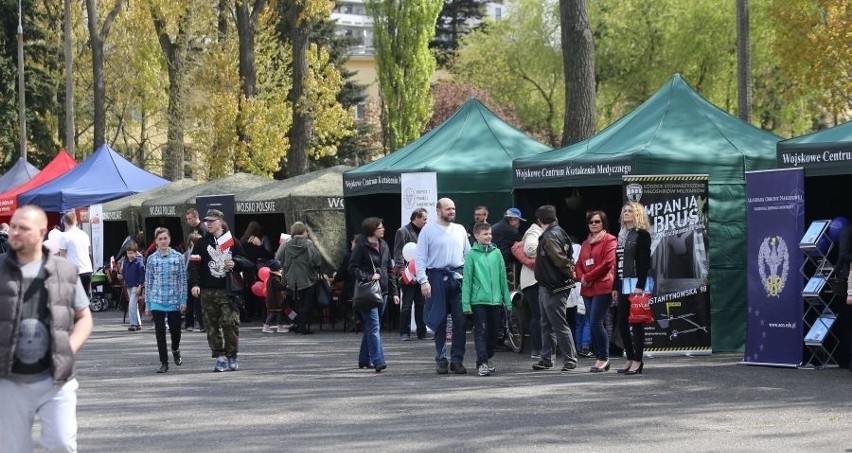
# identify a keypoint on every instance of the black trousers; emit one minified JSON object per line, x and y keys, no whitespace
{"x":160,"y":318}
{"x":193,"y":312}
{"x":632,"y":335}
{"x":306,"y":301}
{"x":86,"y":280}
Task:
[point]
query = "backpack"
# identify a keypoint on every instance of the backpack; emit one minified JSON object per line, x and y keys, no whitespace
{"x":4,"y":243}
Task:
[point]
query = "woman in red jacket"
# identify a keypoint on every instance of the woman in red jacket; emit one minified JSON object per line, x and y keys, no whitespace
{"x":595,"y":271}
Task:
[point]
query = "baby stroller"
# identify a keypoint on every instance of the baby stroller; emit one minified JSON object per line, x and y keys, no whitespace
{"x":99,"y":301}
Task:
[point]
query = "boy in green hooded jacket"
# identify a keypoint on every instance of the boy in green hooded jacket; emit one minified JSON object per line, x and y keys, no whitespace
{"x":485,"y":291}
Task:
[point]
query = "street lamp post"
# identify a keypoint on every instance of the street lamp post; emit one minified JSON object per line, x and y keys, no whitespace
{"x":21,"y":97}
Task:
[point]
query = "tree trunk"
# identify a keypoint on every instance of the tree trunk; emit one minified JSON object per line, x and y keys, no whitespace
{"x":175,"y":54}
{"x":578,"y":60}
{"x":246,"y":23}
{"x":222,"y":20}
{"x":302,"y":127}
{"x":743,"y":62}
{"x":97,"y":38}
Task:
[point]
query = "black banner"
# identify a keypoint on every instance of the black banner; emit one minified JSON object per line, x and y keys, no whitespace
{"x":677,"y":212}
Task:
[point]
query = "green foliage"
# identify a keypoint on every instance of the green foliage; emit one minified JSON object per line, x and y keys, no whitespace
{"x":42,"y":71}
{"x":519,"y":61}
{"x":401,"y":34}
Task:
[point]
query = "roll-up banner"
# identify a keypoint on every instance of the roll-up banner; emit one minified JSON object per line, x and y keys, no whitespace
{"x":418,"y":190}
{"x":96,"y":216}
{"x":776,"y":222}
{"x":677,"y":212}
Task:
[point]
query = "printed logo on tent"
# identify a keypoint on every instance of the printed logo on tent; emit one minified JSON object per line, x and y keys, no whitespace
{"x":772,"y":257}
{"x":633,"y":192}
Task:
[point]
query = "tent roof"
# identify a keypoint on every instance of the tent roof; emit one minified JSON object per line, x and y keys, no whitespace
{"x":61,"y":164}
{"x":20,"y":173}
{"x":825,"y":152}
{"x":103,"y":176}
{"x":676,"y":131}
{"x":327,"y":182}
{"x":174,"y":204}
{"x":113,"y":210}
{"x":471,"y":152}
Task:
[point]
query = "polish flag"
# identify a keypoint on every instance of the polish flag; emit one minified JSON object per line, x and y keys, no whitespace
{"x":225,"y":242}
{"x":409,"y":274}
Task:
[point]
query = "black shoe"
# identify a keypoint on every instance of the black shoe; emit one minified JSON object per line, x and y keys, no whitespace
{"x":569,"y":366}
{"x":443,"y":367}
{"x":163,"y":368}
{"x":543,"y":365}
{"x":176,"y":356}
{"x":636,"y":371}
{"x":458,"y":368}
{"x":381,"y":367}
{"x":365,"y":365}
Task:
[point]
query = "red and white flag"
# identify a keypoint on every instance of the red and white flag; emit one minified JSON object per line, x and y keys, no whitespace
{"x":225,"y":242}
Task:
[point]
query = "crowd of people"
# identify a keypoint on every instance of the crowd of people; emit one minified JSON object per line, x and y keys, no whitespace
{"x":454,"y":273}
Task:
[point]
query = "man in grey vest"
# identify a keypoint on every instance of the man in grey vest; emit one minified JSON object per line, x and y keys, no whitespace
{"x":44,"y":322}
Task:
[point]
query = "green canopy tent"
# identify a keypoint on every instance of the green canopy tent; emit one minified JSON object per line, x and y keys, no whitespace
{"x":471,"y":152}
{"x":314,"y":198}
{"x":123,"y":217}
{"x":676,"y":131}
{"x":168,"y":210}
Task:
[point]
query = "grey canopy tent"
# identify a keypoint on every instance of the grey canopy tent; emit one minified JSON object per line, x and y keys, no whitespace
{"x":168,"y":210}
{"x":314,"y":198}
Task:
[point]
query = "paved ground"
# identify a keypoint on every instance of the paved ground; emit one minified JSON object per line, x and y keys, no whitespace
{"x":305,"y":393}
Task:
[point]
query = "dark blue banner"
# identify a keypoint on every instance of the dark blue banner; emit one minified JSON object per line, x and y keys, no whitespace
{"x":224,"y":203}
{"x":776,"y":222}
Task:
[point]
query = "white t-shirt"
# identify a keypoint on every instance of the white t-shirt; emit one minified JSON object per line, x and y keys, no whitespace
{"x":76,"y":244}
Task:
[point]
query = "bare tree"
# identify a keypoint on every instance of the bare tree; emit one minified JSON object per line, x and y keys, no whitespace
{"x":743,"y":62}
{"x":96,"y":40}
{"x":578,"y":60}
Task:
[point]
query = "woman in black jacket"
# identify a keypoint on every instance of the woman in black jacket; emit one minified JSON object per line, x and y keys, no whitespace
{"x":371,"y":260}
{"x":633,"y":266}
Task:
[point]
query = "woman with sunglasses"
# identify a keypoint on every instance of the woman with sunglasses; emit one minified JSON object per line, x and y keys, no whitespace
{"x":634,"y":264}
{"x":595,"y":272}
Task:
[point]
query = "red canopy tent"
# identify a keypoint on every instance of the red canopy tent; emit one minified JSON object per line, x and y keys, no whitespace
{"x":61,"y":164}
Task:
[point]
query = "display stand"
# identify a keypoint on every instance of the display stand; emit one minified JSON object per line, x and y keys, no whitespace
{"x":818,"y":318}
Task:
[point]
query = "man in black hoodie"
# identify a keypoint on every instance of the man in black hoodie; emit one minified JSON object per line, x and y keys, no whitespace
{"x":411,"y":294}
{"x":214,"y":266}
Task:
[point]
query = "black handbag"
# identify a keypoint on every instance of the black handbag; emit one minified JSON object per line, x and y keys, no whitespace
{"x":368,"y":294}
{"x":323,"y":292}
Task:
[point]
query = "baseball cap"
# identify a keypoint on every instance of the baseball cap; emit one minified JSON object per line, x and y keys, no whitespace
{"x":214,"y":214}
{"x":274,"y":265}
{"x":514,"y":212}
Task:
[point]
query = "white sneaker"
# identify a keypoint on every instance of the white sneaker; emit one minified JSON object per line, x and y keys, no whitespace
{"x":283,"y":329}
{"x":483,"y":370}
{"x":492,"y":367}
{"x":266,"y":329}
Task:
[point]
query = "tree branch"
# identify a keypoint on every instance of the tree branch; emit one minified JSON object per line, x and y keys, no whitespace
{"x":110,"y":19}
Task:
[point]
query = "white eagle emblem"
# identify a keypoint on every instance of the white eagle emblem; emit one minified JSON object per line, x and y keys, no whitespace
{"x":773,"y":257}
{"x":217,"y":261}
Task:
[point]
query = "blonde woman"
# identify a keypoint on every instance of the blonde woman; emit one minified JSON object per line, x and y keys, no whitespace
{"x":633,"y":266}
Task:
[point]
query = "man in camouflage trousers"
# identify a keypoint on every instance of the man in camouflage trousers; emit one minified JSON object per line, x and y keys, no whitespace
{"x":215,"y":262}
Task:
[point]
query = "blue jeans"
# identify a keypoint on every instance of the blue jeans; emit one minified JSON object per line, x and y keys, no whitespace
{"x":372,"y":351}
{"x":583,"y":335}
{"x":596,"y":309}
{"x":450,"y":295}
{"x":486,"y":320}
{"x":531,"y":297}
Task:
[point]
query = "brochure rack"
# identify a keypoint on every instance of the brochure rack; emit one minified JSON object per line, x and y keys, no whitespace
{"x":818,"y":319}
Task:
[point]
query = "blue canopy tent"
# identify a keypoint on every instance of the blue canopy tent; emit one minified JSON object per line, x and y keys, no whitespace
{"x":20,"y":173}
{"x":104,"y":176}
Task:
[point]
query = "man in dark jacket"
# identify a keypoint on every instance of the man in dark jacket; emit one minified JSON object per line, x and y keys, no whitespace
{"x":554,"y":271}
{"x":44,"y":322}
{"x":214,"y":266}
{"x":506,"y":232}
{"x":411,"y":294}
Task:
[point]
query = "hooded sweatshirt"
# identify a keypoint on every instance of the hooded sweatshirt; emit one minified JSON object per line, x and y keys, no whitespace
{"x":484,"y":277}
{"x":301,"y":263}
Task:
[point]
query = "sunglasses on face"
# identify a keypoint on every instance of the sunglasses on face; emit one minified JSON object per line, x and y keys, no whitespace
{"x":594,"y":222}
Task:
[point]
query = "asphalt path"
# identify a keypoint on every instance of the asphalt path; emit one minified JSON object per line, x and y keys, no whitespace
{"x":305,"y":393}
